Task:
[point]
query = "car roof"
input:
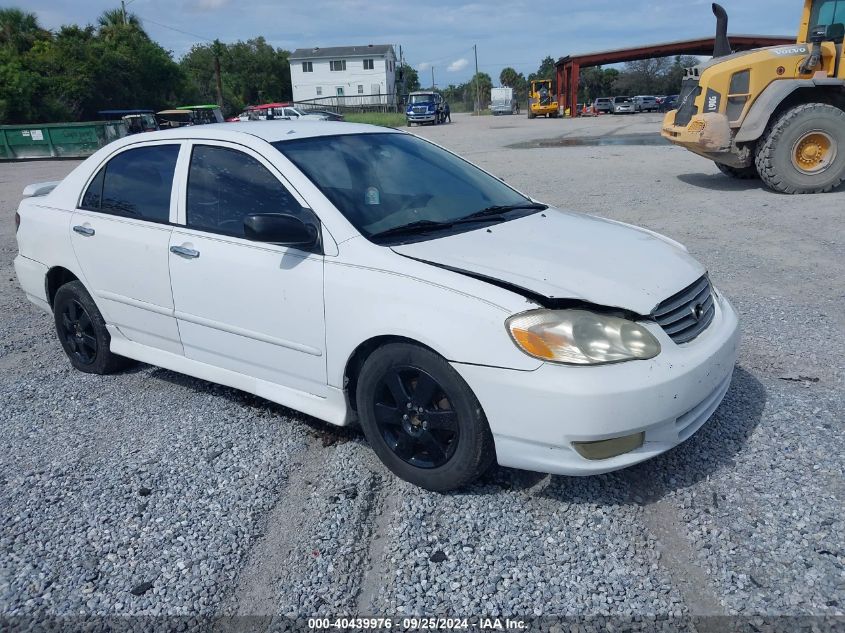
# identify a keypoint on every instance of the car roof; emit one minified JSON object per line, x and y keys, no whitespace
{"x":270,"y":131}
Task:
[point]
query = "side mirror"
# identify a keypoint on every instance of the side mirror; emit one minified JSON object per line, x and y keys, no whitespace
{"x":818,"y":34}
{"x":836,"y":32}
{"x":281,"y":228}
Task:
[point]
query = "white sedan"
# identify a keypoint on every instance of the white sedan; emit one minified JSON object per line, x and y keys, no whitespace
{"x":360,"y":274}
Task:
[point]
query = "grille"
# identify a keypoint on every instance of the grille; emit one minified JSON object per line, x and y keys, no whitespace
{"x":686,"y":101}
{"x":420,"y":109}
{"x":687,"y":314}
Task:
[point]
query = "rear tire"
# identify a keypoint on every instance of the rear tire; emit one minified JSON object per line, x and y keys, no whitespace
{"x":803,"y":151}
{"x":422,"y":419}
{"x":82,"y":331}
{"x":740,"y":173}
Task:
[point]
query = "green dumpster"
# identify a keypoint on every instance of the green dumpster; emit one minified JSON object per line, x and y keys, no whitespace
{"x":57,"y":140}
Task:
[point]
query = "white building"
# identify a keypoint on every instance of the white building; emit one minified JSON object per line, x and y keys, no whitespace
{"x":344,"y":75}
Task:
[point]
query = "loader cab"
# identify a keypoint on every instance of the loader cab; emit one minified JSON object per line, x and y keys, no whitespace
{"x":820,"y":13}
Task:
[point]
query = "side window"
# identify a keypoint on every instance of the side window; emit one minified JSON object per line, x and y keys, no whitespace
{"x":224,"y":185}
{"x":135,"y":183}
{"x":827,"y":13}
{"x":94,"y":193}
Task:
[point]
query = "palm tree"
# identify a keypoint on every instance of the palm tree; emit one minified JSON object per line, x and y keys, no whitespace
{"x":18,"y":29}
{"x":112,"y":21}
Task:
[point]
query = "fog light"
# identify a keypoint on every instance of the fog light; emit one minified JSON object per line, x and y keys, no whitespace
{"x":697,"y":126}
{"x":605,"y":449}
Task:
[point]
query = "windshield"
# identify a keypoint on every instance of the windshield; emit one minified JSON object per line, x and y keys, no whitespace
{"x":623,"y":99}
{"x":422,"y":98}
{"x":384,"y":181}
{"x":827,"y":12}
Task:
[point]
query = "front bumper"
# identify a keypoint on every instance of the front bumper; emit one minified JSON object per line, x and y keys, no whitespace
{"x":422,"y":118}
{"x":705,"y":132}
{"x":535,"y":416}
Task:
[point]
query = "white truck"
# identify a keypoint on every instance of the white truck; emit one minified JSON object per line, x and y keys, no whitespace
{"x":501,"y":101}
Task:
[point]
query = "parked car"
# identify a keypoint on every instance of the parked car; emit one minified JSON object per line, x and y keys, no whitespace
{"x":282,"y":111}
{"x":328,"y":115}
{"x":603,"y":104}
{"x":645,"y":104}
{"x":358,"y":273}
{"x":623,"y":105}
{"x":669,"y":103}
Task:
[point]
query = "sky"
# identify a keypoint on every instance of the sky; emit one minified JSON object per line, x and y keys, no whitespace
{"x":435,"y":34}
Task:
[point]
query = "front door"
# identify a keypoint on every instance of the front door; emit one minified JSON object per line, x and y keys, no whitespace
{"x":121,"y":234}
{"x":250,"y":307}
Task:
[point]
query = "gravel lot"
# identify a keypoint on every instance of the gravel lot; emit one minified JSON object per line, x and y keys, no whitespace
{"x":150,"y":493}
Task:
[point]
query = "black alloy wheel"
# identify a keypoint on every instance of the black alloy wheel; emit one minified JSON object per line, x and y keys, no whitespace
{"x":422,"y":419}
{"x":77,"y":332}
{"x":415,"y":417}
{"x":82,"y":331}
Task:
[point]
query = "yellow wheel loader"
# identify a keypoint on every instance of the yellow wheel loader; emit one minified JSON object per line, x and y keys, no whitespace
{"x":775,"y":113}
{"x":541,"y":101}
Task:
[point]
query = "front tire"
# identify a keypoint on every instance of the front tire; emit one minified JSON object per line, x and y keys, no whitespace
{"x":422,"y":419}
{"x":804,"y":150}
{"x":740,"y":173}
{"x":82,"y":331}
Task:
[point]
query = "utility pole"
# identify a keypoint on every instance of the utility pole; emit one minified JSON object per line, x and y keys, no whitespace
{"x":217,"y":75}
{"x":123,"y":4}
{"x":477,"y":86}
{"x":432,"y":77}
{"x":402,"y":72}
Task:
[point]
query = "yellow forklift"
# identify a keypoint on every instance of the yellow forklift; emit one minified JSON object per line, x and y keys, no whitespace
{"x":775,"y":113}
{"x":541,"y":101}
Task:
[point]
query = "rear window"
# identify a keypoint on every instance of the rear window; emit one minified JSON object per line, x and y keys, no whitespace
{"x":135,"y":183}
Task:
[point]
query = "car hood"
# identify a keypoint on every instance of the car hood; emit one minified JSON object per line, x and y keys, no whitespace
{"x":563,"y":255}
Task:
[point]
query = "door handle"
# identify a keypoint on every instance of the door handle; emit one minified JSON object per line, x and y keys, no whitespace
{"x":87,"y":231}
{"x":182,"y":251}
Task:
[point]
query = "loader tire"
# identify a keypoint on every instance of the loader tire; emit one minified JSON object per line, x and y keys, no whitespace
{"x":803,"y":151}
{"x":740,"y":173}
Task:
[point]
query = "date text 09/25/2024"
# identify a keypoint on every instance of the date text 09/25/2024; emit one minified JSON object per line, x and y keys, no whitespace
{"x":417,"y":624}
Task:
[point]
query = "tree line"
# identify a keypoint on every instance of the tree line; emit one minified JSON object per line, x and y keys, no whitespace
{"x":72,"y":73}
{"x":76,"y":71}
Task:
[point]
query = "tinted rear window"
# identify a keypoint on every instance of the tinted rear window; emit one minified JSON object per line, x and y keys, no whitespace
{"x":135,"y":183}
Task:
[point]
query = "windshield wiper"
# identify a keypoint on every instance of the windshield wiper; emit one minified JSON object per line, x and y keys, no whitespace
{"x":499,"y":209}
{"x":490,"y":214}
{"x":420,"y":226}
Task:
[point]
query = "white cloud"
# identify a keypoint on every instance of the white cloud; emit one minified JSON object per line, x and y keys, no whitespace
{"x":209,"y":5}
{"x":458,"y":65}
{"x":423,"y":66}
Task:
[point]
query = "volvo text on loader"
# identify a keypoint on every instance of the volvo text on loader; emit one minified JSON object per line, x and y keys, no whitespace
{"x":777,"y":113}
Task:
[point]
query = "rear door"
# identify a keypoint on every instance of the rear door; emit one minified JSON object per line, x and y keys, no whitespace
{"x":250,"y":307}
{"x":121,"y":234}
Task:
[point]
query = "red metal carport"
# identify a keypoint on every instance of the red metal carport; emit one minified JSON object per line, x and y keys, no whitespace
{"x":569,"y":67}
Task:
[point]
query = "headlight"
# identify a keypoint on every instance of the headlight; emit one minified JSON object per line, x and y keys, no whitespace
{"x":579,"y":337}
